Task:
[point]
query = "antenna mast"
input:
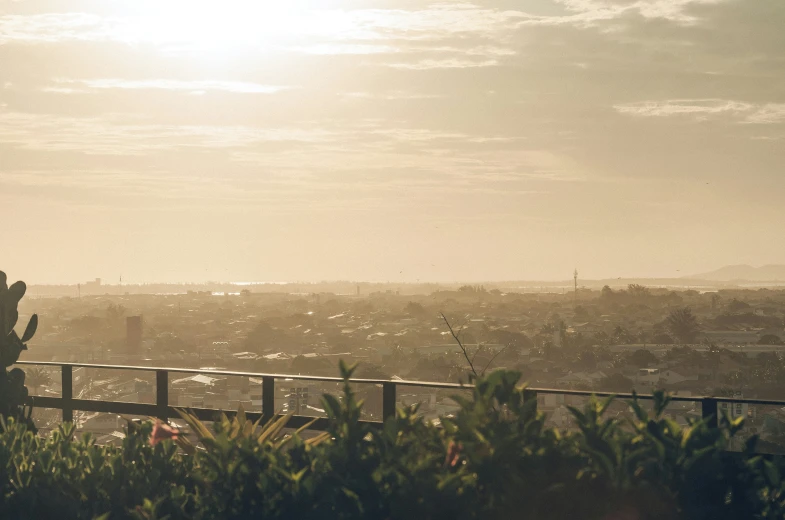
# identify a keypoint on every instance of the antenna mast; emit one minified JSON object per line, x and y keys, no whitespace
{"x":575,"y":296}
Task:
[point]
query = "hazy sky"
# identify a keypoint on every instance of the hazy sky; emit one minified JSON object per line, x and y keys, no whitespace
{"x":389,"y":140}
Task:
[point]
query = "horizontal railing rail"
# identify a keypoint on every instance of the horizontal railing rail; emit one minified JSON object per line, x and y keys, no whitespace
{"x":162,"y":409}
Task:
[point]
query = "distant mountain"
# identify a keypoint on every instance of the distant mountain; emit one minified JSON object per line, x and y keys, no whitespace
{"x":766,"y":273}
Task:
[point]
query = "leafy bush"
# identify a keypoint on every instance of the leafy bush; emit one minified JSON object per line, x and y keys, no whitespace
{"x":494,"y":459}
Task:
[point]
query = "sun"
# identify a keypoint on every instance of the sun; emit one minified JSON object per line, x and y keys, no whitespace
{"x":219,"y":25}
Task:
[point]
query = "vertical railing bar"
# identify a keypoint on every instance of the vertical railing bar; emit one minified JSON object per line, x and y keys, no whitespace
{"x":530,"y":395}
{"x":710,"y":411}
{"x":268,"y":397}
{"x":162,"y":393}
{"x":389,"y":391}
{"x":67,"y":393}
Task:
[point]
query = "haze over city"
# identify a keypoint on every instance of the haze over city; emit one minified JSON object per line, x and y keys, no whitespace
{"x":392,"y":259}
{"x":390,"y":141}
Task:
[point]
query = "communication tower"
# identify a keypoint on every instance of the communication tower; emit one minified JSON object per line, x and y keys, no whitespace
{"x":575,"y":296}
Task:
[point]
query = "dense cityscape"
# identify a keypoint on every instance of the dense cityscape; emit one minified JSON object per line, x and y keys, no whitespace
{"x":726,"y":342}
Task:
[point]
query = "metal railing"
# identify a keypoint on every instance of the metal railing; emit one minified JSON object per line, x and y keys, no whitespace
{"x":162,"y":409}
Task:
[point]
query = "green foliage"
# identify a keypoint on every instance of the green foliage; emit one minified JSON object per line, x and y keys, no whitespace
{"x":616,"y":383}
{"x":643,"y":358}
{"x":770,"y":339}
{"x":494,"y":459}
{"x":12,"y":382}
{"x":683,"y":324}
{"x":38,"y":377}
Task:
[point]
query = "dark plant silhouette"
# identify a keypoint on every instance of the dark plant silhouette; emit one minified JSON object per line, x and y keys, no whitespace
{"x":12,"y":382}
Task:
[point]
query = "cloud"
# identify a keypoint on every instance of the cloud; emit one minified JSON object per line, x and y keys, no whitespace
{"x":672,"y":10}
{"x":121,"y":134}
{"x":345,"y":48}
{"x":340,"y":30}
{"x":682,"y":107}
{"x":770,"y":113}
{"x":742,"y":112}
{"x":167,"y":84}
{"x":54,"y":27}
{"x":391,"y":95}
{"x":450,"y":63}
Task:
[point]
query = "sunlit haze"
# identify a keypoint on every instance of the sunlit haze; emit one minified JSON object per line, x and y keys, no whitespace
{"x":389,"y":141}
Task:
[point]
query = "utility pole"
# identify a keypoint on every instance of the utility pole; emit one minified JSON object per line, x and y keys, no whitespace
{"x":575,"y":297}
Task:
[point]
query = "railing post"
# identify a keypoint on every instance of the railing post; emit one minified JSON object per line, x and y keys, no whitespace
{"x":710,"y":411}
{"x":268,"y":397}
{"x":388,"y":400}
{"x":530,"y":395}
{"x":67,"y":393}
{"x":162,"y":393}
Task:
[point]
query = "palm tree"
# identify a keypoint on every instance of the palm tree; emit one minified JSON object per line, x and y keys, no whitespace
{"x":683,"y":325}
{"x":37,"y":377}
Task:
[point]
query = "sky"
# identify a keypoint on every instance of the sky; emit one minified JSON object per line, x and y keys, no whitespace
{"x":241,"y":140}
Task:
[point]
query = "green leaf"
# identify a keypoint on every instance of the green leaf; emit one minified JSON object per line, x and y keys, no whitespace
{"x":346,"y":371}
{"x":604,"y":404}
{"x":639,"y":412}
{"x":331,"y":405}
{"x":772,"y":473}
{"x":578,"y":415}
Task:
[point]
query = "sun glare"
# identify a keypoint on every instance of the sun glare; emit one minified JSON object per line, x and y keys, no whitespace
{"x":221,"y":26}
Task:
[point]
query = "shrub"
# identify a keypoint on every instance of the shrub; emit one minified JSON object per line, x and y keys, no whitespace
{"x":494,"y":459}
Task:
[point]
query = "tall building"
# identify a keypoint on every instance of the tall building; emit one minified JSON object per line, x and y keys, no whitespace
{"x":133,"y":333}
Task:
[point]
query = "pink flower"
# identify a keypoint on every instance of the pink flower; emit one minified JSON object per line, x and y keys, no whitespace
{"x":162,"y":431}
{"x":453,"y":454}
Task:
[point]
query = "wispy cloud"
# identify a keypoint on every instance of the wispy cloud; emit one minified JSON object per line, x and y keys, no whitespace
{"x":671,"y":10}
{"x":335,"y":48}
{"x":72,"y":85}
{"x":391,"y":95}
{"x":701,"y":109}
{"x":321,"y":31}
{"x":55,"y":27}
{"x":123,"y":134}
{"x":769,"y":113}
{"x":449,"y":63}
{"x":682,"y":107}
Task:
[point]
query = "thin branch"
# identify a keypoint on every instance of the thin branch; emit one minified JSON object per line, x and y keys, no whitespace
{"x":494,"y":357}
{"x":479,"y":348}
{"x":460,"y":344}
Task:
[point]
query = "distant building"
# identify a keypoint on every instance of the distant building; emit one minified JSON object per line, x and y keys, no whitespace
{"x":133,"y":333}
{"x":93,"y":287}
{"x":296,"y":399}
{"x":735,"y":410}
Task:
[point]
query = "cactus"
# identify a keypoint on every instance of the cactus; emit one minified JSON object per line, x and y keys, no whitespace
{"x":12,"y":382}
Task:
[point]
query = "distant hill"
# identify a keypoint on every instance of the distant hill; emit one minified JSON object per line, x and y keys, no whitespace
{"x":766,"y":273}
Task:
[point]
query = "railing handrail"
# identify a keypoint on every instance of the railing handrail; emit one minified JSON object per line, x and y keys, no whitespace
{"x":326,"y":379}
{"x":161,"y":408}
{"x":399,"y":382}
